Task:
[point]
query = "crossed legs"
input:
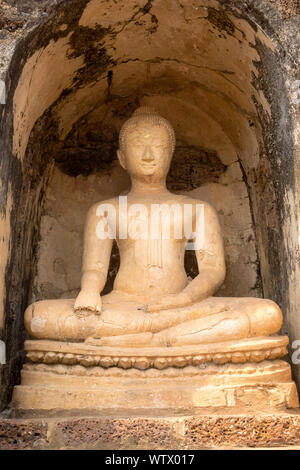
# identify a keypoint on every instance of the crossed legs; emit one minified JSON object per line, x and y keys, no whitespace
{"x":215,"y":319}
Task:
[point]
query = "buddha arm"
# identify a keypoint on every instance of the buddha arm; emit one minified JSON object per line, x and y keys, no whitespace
{"x":96,"y":256}
{"x":210,"y":259}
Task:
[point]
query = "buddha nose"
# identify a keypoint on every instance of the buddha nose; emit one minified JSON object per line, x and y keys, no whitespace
{"x":148,"y":154}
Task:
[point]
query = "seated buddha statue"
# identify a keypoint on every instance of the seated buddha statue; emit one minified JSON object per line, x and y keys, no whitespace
{"x":153,"y":303}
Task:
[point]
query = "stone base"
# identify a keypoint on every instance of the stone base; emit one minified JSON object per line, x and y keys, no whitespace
{"x":55,"y":388}
{"x":77,"y":377}
{"x":166,"y":431}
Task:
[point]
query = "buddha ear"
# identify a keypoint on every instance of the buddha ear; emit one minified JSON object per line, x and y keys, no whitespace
{"x":121,"y":158}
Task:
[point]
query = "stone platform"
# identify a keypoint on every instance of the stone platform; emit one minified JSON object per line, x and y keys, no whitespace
{"x":80,"y":395}
{"x":211,"y":430}
{"x":77,"y":376}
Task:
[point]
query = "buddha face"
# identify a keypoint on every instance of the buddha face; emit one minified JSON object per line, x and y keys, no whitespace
{"x":146,"y":152}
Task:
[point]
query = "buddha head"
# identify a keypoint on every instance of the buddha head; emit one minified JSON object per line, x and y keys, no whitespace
{"x":146,"y":145}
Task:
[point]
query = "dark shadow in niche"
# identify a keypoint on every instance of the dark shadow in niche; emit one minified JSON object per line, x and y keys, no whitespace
{"x":114,"y":265}
{"x":191,"y":167}
{"x":88,"y":149}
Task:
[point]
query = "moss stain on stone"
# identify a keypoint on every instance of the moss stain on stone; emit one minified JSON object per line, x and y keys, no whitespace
{"x":221,"y":21}
{"x":88,"y":42}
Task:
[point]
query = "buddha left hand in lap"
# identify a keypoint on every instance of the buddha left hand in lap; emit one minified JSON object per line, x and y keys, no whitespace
{"x":152,"y":303}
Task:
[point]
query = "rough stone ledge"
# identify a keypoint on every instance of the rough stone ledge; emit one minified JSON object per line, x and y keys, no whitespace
{"x":193,"y":431}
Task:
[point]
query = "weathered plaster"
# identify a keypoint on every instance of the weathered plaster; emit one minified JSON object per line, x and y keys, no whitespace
{"x":43,"y":78}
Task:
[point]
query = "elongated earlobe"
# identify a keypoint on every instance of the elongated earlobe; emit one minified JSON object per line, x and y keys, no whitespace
{"x":121,"y":158}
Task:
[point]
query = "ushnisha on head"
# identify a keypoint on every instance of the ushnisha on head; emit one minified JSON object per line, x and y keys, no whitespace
{"x":146,"y":145}
{"x":147,"y":116}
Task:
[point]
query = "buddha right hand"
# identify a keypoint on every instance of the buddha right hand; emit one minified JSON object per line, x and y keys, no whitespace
{"x":88,"y":302}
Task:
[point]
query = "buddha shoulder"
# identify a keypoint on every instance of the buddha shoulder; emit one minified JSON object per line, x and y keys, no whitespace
{"x":102,"y":208}
{"x":200,"y":205}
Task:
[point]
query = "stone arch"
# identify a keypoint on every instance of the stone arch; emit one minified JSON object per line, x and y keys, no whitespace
{"x":216,"y":69}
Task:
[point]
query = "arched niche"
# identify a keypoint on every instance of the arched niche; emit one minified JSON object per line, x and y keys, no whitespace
{"x":214,"y":70}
